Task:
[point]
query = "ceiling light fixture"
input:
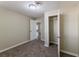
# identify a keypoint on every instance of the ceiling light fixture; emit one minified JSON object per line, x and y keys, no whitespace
{"x":33,"y":5}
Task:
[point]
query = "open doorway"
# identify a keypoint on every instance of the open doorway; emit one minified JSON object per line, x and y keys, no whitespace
{"x":53,"y":30}
{"x":35,"y":32}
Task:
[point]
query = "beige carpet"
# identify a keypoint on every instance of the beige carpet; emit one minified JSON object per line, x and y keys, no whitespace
{"x":34,"y":48}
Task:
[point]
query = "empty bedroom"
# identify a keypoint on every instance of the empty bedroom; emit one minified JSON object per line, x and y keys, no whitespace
{"x":39,"y":28}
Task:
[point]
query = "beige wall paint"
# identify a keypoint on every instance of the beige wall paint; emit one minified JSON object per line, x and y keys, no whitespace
{"x":69,"y":29}
{"x":14,"y":28}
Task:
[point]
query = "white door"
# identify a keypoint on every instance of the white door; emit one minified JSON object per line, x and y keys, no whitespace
{"x":33,"y":30}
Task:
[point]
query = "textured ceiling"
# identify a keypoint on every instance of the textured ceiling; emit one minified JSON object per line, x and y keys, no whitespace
{"x":20,"y":6}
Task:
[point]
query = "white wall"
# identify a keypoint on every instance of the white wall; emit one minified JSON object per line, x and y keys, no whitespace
{"x":69,"y":32}
{"x":14,"y":28}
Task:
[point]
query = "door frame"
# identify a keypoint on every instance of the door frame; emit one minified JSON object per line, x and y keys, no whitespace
{"x":46,"y":24}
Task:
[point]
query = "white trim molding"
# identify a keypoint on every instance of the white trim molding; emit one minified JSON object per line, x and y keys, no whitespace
{"x":14,"y":46}
{"x":46,"y":45}
{"x":70,"y":53}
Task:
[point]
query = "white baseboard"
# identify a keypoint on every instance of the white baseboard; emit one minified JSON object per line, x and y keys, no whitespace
{"x":70,"y":53}
{"x":14,"y":46}
{"x":46,"y":45}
